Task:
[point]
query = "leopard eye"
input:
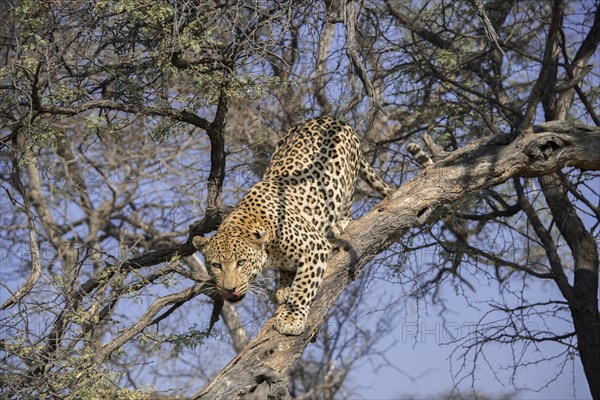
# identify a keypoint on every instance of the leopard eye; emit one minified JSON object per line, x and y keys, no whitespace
{"x":241,"y":263}
{"x":215,"y":265}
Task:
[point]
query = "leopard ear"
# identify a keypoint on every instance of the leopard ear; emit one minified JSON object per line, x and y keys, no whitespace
{"x":259,"y":236}
{"x":200,"y":242}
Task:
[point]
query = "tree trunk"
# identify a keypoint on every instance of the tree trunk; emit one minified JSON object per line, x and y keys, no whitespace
{"x":583,"y":295}
{"x":586,"y":319}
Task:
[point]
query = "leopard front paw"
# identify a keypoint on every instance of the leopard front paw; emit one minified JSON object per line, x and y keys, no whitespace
{"x":339,"y":227}
{"x":282,"y":294}
{"x":290,"y":322}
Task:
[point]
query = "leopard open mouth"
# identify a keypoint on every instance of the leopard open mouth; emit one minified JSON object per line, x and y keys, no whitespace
{"x":232,"y":297}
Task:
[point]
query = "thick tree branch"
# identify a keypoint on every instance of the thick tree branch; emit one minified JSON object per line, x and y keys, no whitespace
{"x":545,"y":237}
{"x":178,"y":115}
{"x":479,"y":165}
{"x":36,"y":267}
{"x":216,"y":134}
{"x":546,"y":77}
{"x":578,"y":67}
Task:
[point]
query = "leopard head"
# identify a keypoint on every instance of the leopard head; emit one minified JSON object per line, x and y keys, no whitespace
{"x":233,"y":259}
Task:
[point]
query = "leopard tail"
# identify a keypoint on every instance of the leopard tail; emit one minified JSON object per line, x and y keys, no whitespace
{"x":419,"y":155}
{"x":368,"y":174}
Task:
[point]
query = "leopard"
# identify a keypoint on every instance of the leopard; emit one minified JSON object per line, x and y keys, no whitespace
{"x":287,"y":219}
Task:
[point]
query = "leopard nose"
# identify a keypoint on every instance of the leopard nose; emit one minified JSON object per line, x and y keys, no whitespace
{"x":230,"y":290}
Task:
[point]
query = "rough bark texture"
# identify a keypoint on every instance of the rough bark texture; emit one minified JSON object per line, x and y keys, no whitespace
{"x":269,"y":357}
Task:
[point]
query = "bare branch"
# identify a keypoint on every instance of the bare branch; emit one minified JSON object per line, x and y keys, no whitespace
{"x":487,"y":25}
{"x":148,"y":317}
{"x":546,"y":77}
{"x":352,"y":11}
{"x":34,"y":250}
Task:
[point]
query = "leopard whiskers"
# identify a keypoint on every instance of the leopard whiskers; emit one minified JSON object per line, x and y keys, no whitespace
{"x":211,"y":290}
{"x":261,"y":288}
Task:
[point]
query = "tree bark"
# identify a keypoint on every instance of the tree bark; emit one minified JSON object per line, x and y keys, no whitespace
{"x":586,"y":320}
{"x":583,"y":295}
{"x":484,"y":163}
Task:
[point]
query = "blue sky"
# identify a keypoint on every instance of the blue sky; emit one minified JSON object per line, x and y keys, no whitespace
{"x":420,"y":353}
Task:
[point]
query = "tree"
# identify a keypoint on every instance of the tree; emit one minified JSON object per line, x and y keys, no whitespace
{"x":122,"y":122}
